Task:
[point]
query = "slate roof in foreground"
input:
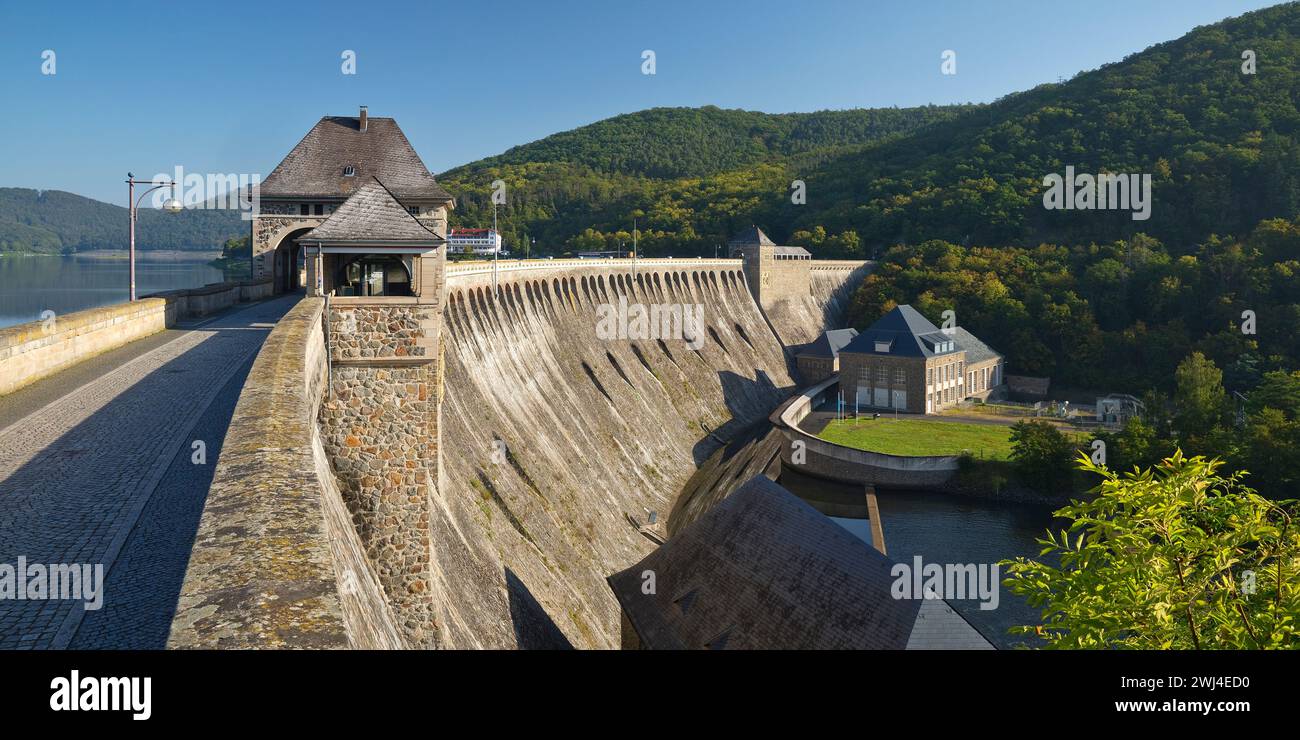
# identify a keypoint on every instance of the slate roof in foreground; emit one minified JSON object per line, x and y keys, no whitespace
{"x":764,"y":570}
{"x":828,"y":345}
{"x":976,"y":350}
{"x":751,"y":236}
{"x":372,"y":214}
{"x":315,"y":166}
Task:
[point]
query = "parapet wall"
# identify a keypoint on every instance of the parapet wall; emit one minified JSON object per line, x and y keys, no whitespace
{"x":276,"y":562}
{"x":38,"y":349}
{"x":815,"y":456}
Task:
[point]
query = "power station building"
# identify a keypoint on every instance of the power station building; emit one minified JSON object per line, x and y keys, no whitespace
{"x":903,"y":362}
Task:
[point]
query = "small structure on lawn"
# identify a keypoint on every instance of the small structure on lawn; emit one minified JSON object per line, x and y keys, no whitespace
{"x":1116,"y":409}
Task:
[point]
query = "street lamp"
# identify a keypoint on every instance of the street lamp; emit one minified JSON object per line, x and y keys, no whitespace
{"x":171,"y":205}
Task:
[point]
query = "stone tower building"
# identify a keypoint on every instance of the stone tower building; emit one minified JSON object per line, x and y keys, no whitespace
{"x":338,"y":156}
{"x":357,"y":209}
{"x":773,"y":272}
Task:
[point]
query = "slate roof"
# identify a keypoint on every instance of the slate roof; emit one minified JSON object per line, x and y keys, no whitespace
{"x":372,"y":214}
{"x":315,"y":166}
{"x":909,"y":335}
{"x":752,"y":235}
{"x":764,"y":570}
{"x":827,"y":345}
{"x":976,"y":350}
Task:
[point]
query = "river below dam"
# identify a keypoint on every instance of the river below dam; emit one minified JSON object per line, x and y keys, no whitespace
{"x":31,"y":284}
{"x":947,"y":528}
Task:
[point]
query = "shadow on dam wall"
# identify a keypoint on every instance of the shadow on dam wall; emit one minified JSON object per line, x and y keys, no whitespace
{"x":552,"y":437}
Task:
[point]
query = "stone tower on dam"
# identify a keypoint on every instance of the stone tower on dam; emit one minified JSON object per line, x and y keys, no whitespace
{"x":377,"y":249}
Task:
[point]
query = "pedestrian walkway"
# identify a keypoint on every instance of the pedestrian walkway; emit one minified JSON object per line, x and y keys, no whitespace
{"x":101,"y":464}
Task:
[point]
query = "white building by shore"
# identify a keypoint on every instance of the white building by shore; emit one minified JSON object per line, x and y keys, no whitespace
{"x":473,"y":241}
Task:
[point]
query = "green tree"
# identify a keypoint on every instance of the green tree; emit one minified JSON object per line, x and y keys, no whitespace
{"x":1171,"y":557}
{"x":1278,"y":390}
{"x":1041,"y":455}
{"x":1201,"y":403}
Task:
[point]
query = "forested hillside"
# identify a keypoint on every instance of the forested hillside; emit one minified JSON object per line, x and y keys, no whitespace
{"x":52,"y":221}
{"x":694,"y":173}
{"x":1220,"y":146}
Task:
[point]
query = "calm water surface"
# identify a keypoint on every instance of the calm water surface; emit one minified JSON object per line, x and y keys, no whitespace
{"x":945,"y":528}
{"x":32,"y":284}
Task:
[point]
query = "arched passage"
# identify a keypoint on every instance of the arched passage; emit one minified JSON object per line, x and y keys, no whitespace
{"x":288,"y":262}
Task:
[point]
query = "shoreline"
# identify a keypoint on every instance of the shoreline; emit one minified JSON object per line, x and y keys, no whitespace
{"x":178,"y":255}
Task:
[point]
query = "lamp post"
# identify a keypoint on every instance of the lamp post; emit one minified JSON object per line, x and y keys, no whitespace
{"x":495,"y":248}
{"x":171,"y":205}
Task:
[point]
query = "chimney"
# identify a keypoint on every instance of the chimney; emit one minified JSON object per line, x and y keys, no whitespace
{"x":364,"y":119}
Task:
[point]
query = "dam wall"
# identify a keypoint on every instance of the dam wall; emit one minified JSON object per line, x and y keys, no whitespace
{"x":549,"y":442}
{"x":553,"y":437}
{"x":38,"y":349}
{"x":798,"y":316}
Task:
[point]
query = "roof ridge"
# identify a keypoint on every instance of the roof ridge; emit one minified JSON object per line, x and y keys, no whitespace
{"x":399,"y":204}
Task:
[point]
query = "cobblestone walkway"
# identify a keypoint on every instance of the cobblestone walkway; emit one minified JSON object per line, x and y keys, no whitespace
{"x":103,"y":474}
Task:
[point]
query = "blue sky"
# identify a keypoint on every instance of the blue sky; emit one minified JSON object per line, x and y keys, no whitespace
{"x":230,"y":87}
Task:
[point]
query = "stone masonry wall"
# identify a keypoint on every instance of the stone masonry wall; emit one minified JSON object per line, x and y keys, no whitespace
{"x":380,"y":431}
{"x":276,"y":564}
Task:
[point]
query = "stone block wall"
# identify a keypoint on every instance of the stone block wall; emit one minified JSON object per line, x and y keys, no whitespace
{"x":374,"y":329}
{"x":38,"y":349}
{"x":380,"y":430}
{"x":772,"y":280}
{"x":276,"y":563}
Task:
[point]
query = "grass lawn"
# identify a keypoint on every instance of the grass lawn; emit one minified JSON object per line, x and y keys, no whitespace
{"x":915,"y":438}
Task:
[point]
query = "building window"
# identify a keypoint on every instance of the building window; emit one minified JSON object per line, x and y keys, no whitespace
{"x":864,"y":373}
{"x":882,"y":375}
{"x":900,"y":377}
{"x":374,"y":275}
{"x":349,"y":171}
{"x":304,"y":210}
{"x":320,"y":209}
{"x":929,"y":376}
{"x":413,"y":210}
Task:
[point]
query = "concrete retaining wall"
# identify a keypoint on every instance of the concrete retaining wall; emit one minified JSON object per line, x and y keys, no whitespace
{"x":277,"y":563}
{"x":208,"y":299}
{"x":38,"y":349}
{"x":837,"y":462}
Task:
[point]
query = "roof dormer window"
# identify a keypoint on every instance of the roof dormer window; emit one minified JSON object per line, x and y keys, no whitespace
{"x":882,"y":346}
{"x":349,"y":171}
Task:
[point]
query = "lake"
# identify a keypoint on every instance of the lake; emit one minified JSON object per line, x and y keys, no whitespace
{"x":32,"y":284}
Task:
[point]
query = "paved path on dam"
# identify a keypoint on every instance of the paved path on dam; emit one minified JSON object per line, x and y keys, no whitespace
{"x":98,"y":466}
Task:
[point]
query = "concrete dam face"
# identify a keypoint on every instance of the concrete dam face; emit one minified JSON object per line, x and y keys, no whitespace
{"x":466,"y":472}
{"x":552,"y":436}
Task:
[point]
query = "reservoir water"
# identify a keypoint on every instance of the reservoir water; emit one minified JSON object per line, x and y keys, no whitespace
{"x":32,"y":284}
